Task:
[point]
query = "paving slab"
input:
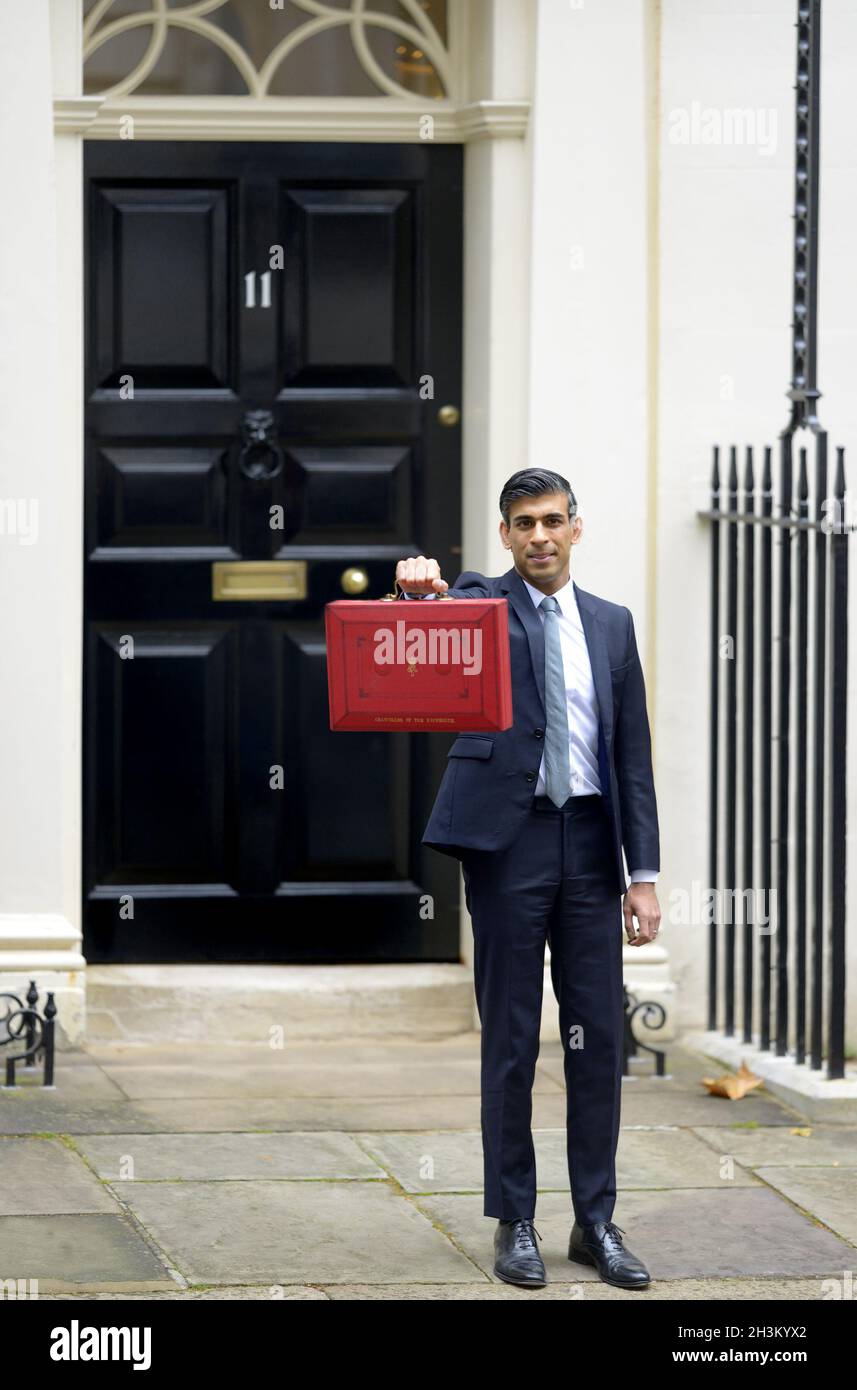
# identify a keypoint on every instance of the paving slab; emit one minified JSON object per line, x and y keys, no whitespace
{"x":362,"y":1081}
{"x":78,"y":1082}
{"x":431,"y":1161}
{"x":290,"y":1293}
{"x":679,"y":1235}
{"x":294,"y":1232}
{"x":671,"y":1159}
{"x":669,"y":1291}
{"x":462,"y":1216}
{"x":183,"y":1116}
{"x":830,"y":1194}
{"x":190,"y":1157}
{"x":798,"y":1146}
{"x":684,"y":1070}
{"x":338,"y":1052}
{"x":398,"y":1113}
{"x":43,"y":1176}
{"x":331,"y":1169}
{"x":593,"y":1291}
{"x":446,"y":1162}
{"x":46,"y":1112}
{"x":682,"y":1108}
{"x":77,"y":1252}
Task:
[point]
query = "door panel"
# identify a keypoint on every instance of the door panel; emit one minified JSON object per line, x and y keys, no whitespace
{"x":163,"y":278}
{"x":349,"y":321}
{"x":260,"y":319}
{"x":179,"y":684}
{"x":152,"y":496}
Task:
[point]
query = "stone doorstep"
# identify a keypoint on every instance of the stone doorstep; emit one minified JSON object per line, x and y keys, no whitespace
{"x":234,"y":1003}
{"x":819,"y":1098}
{"x":151,"y":1003}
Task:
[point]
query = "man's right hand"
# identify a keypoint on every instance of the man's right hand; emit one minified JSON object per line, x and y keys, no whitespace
{"x":419,"y":575}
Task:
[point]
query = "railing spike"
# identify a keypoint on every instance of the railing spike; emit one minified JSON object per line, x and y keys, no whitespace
{"x":839,"y":484}
{"x":803,"y":392}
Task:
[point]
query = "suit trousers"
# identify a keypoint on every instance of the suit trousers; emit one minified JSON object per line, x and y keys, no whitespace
{"x":556,"y":883}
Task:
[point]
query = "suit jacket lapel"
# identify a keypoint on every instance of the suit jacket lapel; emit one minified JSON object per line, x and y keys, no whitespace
{"x":596,"y":641}
{"x":513,"y":586}
{"x":592,"y":622}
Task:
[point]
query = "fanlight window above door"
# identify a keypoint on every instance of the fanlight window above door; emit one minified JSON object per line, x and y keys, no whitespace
{"x":260,"y":48}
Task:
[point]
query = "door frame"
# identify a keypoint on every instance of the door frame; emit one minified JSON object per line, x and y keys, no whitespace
{"x":494,"y":64}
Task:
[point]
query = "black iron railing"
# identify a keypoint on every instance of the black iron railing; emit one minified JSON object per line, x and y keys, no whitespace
{"x":778,"y":765}
{"x":29,"y":1035}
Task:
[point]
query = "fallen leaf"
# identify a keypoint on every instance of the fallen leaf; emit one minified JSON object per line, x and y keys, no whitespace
{"x":733,"y":1085}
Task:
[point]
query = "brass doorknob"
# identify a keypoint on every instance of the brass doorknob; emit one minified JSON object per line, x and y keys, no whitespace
{"x":449,"y":415}
{"x":354,"y":580}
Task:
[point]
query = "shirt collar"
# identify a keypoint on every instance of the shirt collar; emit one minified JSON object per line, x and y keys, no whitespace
{"x":564,"y":596}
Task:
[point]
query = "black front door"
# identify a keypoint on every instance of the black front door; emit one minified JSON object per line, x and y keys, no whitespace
{"x":272,"y":330}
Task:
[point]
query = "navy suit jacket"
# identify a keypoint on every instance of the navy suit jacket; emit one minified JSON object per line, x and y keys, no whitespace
{"x":490,"y":779}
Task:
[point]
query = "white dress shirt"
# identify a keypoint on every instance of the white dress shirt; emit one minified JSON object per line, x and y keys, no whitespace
{"x":582,"y":703}
{"x":580,"y":694}
{"x":583,"y":715}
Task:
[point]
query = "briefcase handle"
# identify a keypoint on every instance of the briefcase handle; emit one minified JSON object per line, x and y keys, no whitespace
{"x":398,"y":592}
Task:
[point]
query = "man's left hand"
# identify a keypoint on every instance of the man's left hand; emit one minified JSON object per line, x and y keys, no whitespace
{"x":641,"y":901}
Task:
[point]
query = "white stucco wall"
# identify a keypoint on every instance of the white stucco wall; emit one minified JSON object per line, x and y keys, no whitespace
{"x":588,"y":321}
{"x":40,"y":536}
{"x":660,"y":325}
{"x":725,"y":265}
{"x":590,"y":387}
{"x":31,"y":632}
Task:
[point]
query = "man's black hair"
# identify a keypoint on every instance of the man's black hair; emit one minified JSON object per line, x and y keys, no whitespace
{"x":535,"y":482}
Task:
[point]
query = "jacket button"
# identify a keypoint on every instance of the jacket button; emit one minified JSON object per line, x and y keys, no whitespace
{"x":539,"y":733}
{"x":531,"y":776}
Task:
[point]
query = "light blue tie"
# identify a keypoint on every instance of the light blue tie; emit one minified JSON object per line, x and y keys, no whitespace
{"x":557,"y":770}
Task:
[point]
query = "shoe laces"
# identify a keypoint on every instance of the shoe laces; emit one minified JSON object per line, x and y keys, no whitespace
{"x":616,"y":1232}
{"x":524,"y":1234}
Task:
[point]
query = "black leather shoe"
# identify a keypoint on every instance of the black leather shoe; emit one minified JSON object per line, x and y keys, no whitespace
{"x":516,"y":1255}
{"x":601,"y":1245}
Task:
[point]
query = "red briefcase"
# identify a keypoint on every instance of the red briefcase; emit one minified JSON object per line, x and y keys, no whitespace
{"x":434,"y":666}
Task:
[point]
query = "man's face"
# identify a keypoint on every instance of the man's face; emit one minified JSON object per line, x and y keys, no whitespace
{"x":540,"y":537}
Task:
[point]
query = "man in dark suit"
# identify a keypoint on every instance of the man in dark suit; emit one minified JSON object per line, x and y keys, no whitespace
{"x":538,"y":816}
